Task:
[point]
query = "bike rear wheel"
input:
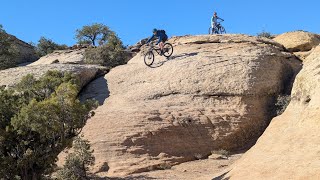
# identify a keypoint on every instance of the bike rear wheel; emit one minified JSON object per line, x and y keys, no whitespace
{"x":222,"y":30}
{"x":167,"y":50}
{"x":149,"y":58}
{"x":210,"y":30}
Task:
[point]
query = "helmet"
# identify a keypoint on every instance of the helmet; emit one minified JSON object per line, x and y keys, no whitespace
{"x":154,"y":30}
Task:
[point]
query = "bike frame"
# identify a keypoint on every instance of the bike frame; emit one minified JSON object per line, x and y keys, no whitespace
{"x":153,"y":48}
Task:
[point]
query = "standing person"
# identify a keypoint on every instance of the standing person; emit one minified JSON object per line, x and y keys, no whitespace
{"x":214,"y":22}
{"x":161,"y":35}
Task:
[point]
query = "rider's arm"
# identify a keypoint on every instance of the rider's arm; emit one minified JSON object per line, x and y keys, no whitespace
{"x":221,"y":19}
{"x":150,"y":39}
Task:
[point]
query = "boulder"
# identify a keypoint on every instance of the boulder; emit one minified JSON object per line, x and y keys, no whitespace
{"x":86,"y":73}
{"x":136,"y":48}
{"x":216,"y":92}
{"x":289,"y":148}
{"x":302,"y":54}
{"x":298,"y":41}
{"x":71,"y":56}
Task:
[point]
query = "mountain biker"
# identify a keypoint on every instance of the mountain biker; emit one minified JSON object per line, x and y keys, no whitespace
{"x":214,"y":22}
{"x":161,"y":35}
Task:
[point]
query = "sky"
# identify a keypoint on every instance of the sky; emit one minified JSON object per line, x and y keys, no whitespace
{"x":134,"y":20}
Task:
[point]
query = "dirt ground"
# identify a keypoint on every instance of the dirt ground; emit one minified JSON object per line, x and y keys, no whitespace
{"x":196,"y":170}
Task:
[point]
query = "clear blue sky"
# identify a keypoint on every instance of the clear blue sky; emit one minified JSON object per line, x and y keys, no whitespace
{"x":133,"y":20}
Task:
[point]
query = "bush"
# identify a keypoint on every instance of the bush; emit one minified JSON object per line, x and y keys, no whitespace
{"x":111,"y":54}
{"x":77,"y":163}
{"x":46,"y":46}
{"x":38,"y":119}
{"x":265,"y":35}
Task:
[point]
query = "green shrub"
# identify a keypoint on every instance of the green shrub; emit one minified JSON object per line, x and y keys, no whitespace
{"x":265,"y":35}
{"x":38,"y":119}
{"x":111,"y":54}
{"x":46,"y":46}
{"x":77,"y":163}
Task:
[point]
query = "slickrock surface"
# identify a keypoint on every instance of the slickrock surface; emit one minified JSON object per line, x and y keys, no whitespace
{"x":216,"y":92}
{"x":289,"y":149}
{"x":75,"y":56}
{"x":300,"y":43}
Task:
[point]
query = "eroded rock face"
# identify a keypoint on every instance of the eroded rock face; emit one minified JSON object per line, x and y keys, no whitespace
{"x":86,"y":73}
{"x":71,"y":56}
{"x":300,"y":43}
{"x":289,"y":148}
{"x":214,"y":93}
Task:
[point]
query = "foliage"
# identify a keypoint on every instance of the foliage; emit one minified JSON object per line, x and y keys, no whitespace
{"x":42,"y":88}
{"x":282,"y":103}
{"x":111,"y":54}
{"x":93,"y":33}
{"x":38,"y":119}
{"x":265,"y":35}
{"x":77,"y":163}
{"x":7,"y":51}
{"x":46,"y":46}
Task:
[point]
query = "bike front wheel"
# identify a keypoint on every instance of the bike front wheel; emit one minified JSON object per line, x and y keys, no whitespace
{"x":149,"y":58}
{"x":167,"y":50}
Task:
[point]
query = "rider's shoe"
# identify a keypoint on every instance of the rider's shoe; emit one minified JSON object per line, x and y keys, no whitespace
{"x":161,"y":53}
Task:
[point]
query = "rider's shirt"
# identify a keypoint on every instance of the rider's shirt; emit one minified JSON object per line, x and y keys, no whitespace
{"x":214,"y":20}
{"x":160,"y":35}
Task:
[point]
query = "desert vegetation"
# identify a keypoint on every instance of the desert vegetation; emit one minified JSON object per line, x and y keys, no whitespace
{"x":110,"y":53}
{"x":38,"y":119}
{"x":46,"y":46}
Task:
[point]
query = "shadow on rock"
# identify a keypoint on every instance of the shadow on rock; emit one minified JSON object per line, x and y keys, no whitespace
{"x":181,"y":56}
{"x":221,"y":177}
{"x":97,"y":90}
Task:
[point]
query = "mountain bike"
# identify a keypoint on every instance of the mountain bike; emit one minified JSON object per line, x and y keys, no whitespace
{"x":149,"y":56}
{"x":219,"y":29}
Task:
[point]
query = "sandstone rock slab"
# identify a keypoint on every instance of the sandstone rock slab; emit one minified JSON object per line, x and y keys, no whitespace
{"x":212,"y":93}
{"x":75,"y":56}
{"x":298,"y":41}
{"x":289,"y":147}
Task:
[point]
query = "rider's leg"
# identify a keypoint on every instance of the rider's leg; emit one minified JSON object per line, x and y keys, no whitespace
{"x":161,"y":45}
{"x":216,"y":28}
{"x":212,"y":28}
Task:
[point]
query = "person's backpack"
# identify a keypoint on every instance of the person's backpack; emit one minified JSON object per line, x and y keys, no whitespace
{"x":163,"y":31}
